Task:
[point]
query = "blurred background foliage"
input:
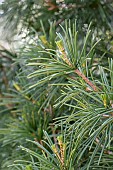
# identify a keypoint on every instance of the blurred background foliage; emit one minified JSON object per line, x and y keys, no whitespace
{"x":27,"y":97}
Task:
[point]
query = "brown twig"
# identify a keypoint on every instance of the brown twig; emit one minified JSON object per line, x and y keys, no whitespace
{"x":6,"y":57}
{"x":5,"y":80}
{"x":86,"y":80}
{"x":50,"y":109}
{"x":106,"y":151}
{"x":51,"y":6}
{"x":53,"y":132}
{"x":59,"y":21}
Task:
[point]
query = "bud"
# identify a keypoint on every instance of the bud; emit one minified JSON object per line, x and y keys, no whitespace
{"x":43,"y":39}
{"x":60,"y":45}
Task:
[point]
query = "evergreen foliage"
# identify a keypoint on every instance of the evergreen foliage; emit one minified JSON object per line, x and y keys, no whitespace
{"x":56,"y":102}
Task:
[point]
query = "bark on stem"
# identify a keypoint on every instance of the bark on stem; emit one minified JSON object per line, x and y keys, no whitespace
{"x":86,"y":80}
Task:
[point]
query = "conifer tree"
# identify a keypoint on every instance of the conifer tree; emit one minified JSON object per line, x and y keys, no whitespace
{"x":58,"y":95}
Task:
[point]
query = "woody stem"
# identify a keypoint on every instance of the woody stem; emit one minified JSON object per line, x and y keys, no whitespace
{"x":80,"y":74}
